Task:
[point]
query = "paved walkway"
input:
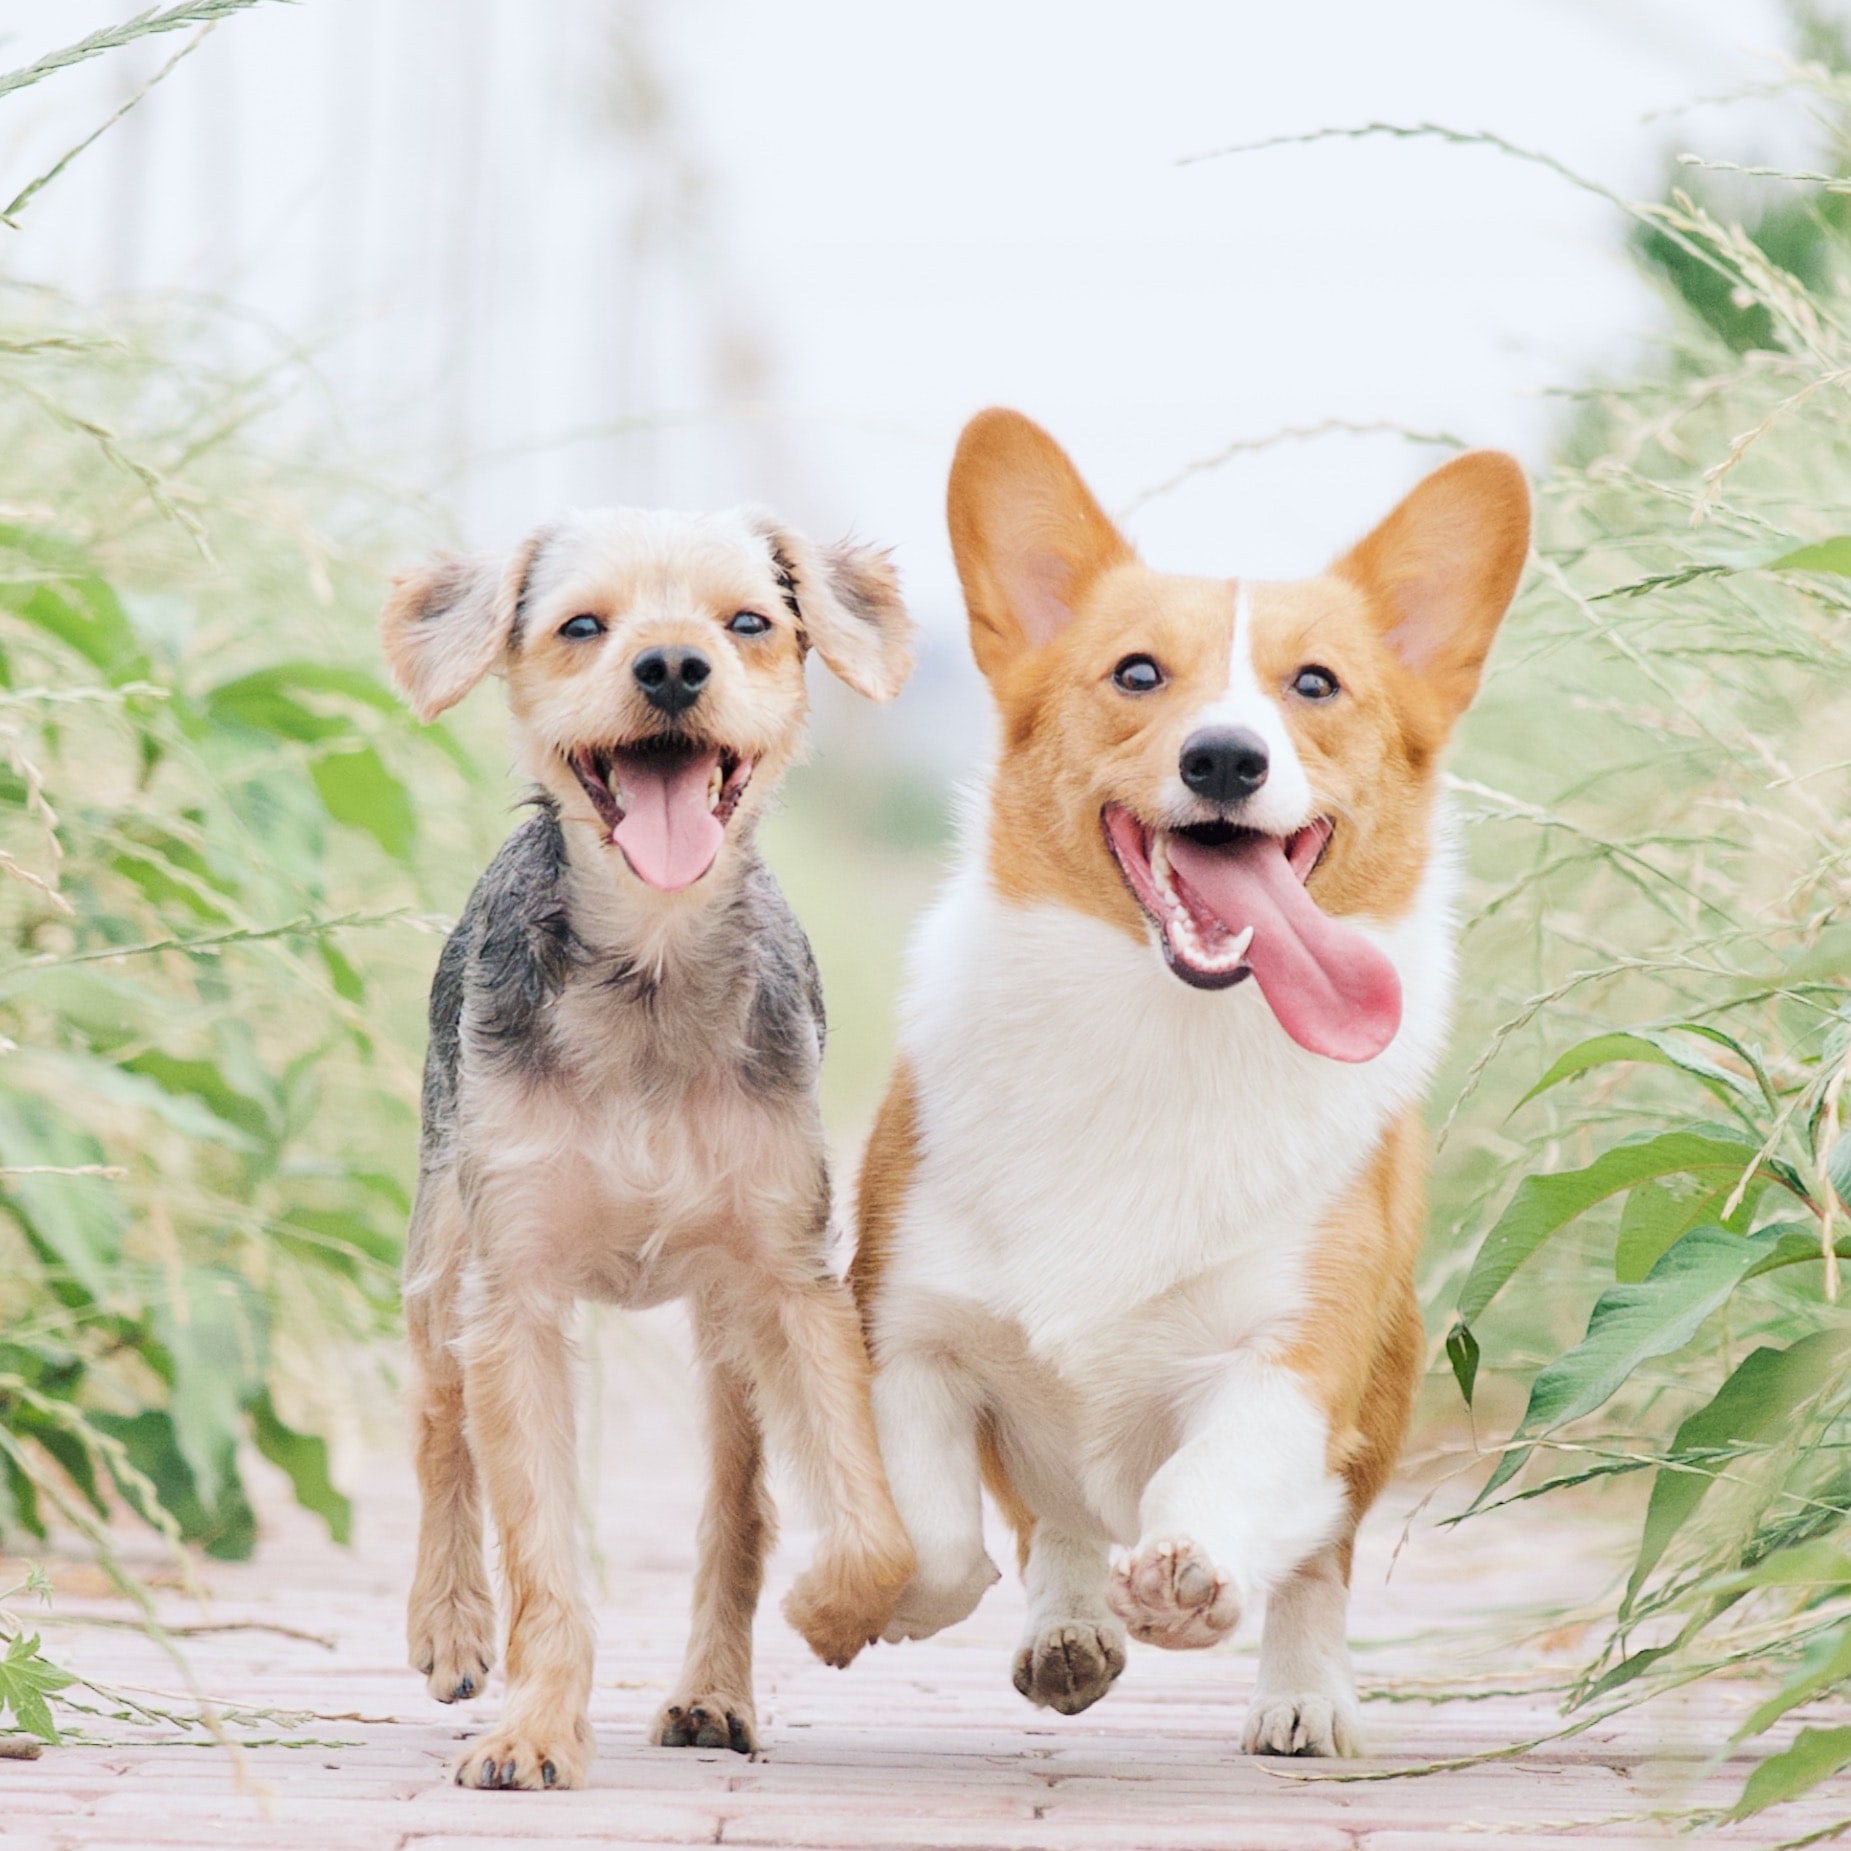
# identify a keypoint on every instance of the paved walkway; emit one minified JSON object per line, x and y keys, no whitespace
{"x":920,"y":1745}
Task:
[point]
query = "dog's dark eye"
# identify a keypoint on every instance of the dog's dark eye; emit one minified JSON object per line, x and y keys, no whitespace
{"x":583,"y":625}
{"x":1312,"y":683}
{"x":1138,"y":675}
{"x":748,"y":623}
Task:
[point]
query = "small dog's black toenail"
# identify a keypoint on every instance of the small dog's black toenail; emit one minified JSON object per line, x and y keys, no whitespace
{"x":548,"y":1772}
{"x":488,"y":1775}
{"x":736,"y":1736}
{"x":429,"y":1665}
{"x":508,"y":1774}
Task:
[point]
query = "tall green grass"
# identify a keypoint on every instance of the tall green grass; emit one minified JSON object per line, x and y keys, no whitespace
{"x":1650,"y":1124}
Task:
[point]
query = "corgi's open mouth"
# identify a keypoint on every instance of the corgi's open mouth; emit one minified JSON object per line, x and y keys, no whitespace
{"x":1230,"y":903}
{"x":664,"y":803}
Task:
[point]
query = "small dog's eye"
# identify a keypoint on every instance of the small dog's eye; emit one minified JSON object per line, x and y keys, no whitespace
{"x":748,"y":623}
{"x":576,"y":629}
{"x":1312,"y":683}
{"x":1138,"y":675}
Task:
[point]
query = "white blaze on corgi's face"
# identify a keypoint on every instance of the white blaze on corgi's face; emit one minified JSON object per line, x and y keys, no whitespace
{"x":1243,"y":772}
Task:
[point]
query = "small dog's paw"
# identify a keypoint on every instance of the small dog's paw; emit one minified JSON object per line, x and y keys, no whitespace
{"x":452,"y":1643}
{"x":845,"y":1600}
{"x":710,"y":1719}
{"x":1069,"y":1665}
{"x":1316,"y":1723}
{"x":931,"y":1603}
{"x":527,"y":1759}
{"x":1169,"y":1593}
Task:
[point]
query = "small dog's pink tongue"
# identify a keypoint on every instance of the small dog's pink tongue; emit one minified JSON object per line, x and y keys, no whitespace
{"x":1332,"y":991}
{"x":669,"y":834}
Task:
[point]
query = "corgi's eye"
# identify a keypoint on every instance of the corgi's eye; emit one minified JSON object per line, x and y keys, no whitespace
{"x":1312,"y":683}
{"x":1138,"y":675}
{"x":748,"y":623}
{"x":576,"y":629}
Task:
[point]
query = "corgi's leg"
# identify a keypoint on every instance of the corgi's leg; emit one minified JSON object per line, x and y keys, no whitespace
{"x":517,"y":1361}
{"x":927,"y":1414}
{"x":712,"y":1702}
{"x":1305,"y":1700}
{"x":1073,"y":1647}
{"x":1235,"y":1509}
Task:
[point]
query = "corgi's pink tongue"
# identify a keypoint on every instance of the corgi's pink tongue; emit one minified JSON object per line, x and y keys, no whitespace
{"x":1332,"y":990}
{"x":669,"y":833}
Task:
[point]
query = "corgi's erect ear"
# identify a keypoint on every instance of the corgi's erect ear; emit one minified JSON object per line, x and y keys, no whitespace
{"x":847,"y":602}
{"x":1028,"y":535}
{"x":1442,"y":569}
{"x":447,"y":624}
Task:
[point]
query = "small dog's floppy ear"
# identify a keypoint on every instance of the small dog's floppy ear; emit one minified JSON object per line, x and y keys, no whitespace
{"x":847,"y":603}
{"x":447,"y":624}
{"x":1028,"y":536}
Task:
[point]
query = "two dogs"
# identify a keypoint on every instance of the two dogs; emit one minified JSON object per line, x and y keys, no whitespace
{"x":1137,"y":1236}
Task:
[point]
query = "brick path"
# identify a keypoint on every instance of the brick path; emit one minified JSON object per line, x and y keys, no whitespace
{"x":921,"y":1745}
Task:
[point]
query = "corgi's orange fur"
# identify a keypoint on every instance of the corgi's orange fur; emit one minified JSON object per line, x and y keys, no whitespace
{"x":1140,"y":1251}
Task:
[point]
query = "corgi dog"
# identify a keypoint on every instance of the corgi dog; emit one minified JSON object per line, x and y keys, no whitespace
{"x":1137,"y":1235}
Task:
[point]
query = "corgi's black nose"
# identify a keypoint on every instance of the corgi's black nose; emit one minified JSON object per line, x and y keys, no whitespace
{"x":671,"y":679}
{"x":1223,"y":763}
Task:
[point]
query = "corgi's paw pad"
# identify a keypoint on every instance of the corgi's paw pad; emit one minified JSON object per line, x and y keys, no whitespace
{"x":1069,"y":1665}
{"x":932,"y":1602}
{"x":1169,"y":1593}
{"x":708,"y":1719}
{"x":1316,"y":1723}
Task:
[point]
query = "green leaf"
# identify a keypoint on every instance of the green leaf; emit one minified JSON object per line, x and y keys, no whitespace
{"x":357,"y":789}
{"x":1833,"y":555}
{"x":26,"y":1680}
{"x":304,"y":1456}
{"x":76,"y":1222}
{"x":1825,"y":1666}
{"x":1631,"y":1324}
{"x":266,"y":699}
{"x":1816,"y":1755}
{"x":211,"y":1327}
{"x":1462,"y":1353}
{"x":349,"y":985}
{"x":1651,"y":1047}
{"x":250,"y":1120}
{"x":1838,"y":1167}
{"x":85,"y":615}
{"x":1820,"y":1562}
{"x":1657,"y":1214}
{"x":1765,"y":1389}
{"x":1543,"y":1205}
{"x":227,"y":1530}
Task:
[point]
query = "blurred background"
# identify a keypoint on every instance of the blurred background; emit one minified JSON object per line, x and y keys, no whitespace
{"x":342,"y":281}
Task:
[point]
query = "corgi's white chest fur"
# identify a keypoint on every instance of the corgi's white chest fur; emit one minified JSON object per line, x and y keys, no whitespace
{"x":1121,"y":1171}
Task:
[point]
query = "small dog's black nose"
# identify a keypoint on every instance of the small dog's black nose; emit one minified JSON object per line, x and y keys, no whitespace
{"x":1223,"y":763}
{"x":671,"y":679}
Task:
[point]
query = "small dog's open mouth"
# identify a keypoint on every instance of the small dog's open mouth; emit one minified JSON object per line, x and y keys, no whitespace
{"x":1230,"y":903}
{"x":664,"y":803}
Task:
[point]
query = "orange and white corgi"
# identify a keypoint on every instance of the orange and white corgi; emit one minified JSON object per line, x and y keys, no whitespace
{"x":1137,"y":1237}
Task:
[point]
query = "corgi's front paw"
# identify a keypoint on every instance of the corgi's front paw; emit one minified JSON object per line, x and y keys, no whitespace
{"x":1325,"y":1722}
{"x":934,"y":1600}
{"x":1169,"y":1593}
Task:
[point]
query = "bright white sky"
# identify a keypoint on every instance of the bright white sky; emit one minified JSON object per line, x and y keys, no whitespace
{"x":865,"y":221}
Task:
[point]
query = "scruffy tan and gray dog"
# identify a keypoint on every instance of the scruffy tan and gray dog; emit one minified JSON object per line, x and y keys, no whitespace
{"x":620,"y":1103}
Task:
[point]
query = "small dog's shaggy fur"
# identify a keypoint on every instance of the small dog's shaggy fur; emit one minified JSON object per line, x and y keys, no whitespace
{"x":620,"y":1102}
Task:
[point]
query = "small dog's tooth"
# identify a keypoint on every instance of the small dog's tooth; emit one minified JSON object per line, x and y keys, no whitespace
{"x":1238,"y":949}
{"x":716,"y":783}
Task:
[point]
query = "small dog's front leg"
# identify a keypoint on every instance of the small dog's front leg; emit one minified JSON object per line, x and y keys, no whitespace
{"x":813,"y":1363}
{"x":712,"y":1703}
{"x":518,"y":1382}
